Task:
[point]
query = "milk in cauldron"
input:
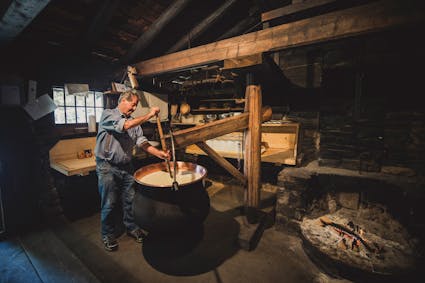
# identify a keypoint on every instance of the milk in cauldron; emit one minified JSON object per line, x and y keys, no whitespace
{"x":163,"y":179}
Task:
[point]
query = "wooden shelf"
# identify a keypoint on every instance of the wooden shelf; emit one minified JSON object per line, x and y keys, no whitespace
{"x":237,"y":100}
{"x":112,"y":92}
{"x":279,"y":144}
{"x":271,"y":155}
{"x":184,"y":124}
{"x":217,"y":110}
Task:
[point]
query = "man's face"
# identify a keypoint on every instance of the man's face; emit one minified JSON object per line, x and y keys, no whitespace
{"x":127,"y":107}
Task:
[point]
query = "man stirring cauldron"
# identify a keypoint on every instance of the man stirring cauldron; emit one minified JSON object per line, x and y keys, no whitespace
{"x":118,"y":133}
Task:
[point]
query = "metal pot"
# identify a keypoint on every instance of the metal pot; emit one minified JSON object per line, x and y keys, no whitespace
{"x":159,"y":208}
{"x":224,"y":115}
{"x":210,"y":117}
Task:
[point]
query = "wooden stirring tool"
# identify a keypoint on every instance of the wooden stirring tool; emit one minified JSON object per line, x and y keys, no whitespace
{"x":163,"y":144}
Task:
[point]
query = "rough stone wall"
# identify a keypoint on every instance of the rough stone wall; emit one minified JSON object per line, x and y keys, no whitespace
{"x":358,"y":104}
{"x":313,"y":191}
{"x":291,"y":198}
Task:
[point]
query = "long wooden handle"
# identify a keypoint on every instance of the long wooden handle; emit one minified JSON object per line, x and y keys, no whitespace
{"x":163,"y":144}
{"x":161,"y":134}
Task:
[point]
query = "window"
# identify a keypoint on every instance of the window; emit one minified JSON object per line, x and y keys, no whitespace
{"x":74,"y":109}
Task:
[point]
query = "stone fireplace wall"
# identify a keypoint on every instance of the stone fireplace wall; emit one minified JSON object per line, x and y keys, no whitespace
{"x":315,"y":190}
{"x":358,"y":104}
{"x":388,"y":211}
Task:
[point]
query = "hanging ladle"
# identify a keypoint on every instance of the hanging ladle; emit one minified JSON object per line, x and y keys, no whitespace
{"x":163,"y":144}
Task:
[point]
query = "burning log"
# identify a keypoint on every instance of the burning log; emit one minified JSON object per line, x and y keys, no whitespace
{"x":343,"y":231}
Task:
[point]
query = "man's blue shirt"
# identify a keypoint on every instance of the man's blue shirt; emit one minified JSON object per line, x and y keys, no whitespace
{"x":113,"y":142}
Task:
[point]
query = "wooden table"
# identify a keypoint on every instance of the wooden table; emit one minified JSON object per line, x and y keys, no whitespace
{"x":63,"y":156}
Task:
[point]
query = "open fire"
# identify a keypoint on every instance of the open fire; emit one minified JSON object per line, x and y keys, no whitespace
{"x":354,"y":239}
{"x":354,"y":224}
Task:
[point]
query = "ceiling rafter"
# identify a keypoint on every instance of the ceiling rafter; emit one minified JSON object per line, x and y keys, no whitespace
{"x":101,"y":21}
{"x":202,"y":26}
{"x":294,"y":8}
{"x":17,"y":16}
{"x":244,"y":25}
{"x":147,"y":37}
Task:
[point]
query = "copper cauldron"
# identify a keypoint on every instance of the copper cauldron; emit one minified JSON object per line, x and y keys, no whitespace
{"x":159,"y":208}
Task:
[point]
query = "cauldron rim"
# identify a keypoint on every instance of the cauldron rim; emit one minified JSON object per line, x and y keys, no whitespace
{"x":148,"y":169}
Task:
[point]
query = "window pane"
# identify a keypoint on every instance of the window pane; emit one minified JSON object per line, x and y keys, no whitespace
{"x":77,"y":108}
{"x":69,"y":100}
{"x":58,"y":96}
{"x":90,"y":99}
{"x":60,"y":115}
{"x":90,"y":111}
{"x":98,"y":99}
{"x":80,"y":100}
{"x":81,"y":115}
{"x":98,"y":114}
{"x":70,"y":115}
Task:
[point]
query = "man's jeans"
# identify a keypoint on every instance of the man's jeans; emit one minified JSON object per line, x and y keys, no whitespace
{"x":114,"y":181}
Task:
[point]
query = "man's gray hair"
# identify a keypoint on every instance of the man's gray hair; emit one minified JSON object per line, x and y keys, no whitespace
{"x":128,"y":95}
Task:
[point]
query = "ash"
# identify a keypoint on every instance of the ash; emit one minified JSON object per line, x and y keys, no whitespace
{"x":368,"y":239}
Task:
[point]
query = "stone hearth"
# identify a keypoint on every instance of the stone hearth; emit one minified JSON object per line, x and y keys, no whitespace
{"x":378,"y":217}
{"x":387,"y":248}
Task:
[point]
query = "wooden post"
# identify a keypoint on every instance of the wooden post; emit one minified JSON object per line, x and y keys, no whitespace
{"x":252,"y":159}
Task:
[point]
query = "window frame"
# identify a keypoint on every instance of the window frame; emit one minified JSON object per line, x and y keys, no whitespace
{"x":97,"y":109}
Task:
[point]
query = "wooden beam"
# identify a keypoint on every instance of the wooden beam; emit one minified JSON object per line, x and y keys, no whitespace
{"x":294,"y":8}
{"x":222,"y":161}
{"x":215,"y":129}
{"x":156,"y":27}
{"x":376,"y":16}
{"x":18,"y":16}
{"x":201,"y":27}
{"x":252,"y":152}
{"x":241,"y":62}
{"x":100,"y":21}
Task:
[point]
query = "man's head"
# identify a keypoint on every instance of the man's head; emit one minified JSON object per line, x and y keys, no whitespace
{"x":127,"y":102}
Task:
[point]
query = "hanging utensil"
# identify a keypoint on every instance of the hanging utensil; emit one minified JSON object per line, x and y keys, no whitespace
{"x":163,"y":145}
{"x":175,"y":185}
{"x":184,"y":108}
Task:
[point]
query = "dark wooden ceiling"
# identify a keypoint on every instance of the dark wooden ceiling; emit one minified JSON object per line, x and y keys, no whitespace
{"x":108,"y":29}
{"x":104,"y":36}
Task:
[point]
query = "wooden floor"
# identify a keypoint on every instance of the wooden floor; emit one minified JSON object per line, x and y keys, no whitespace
{"x":71,"y":251}
{"x":41,"y":256}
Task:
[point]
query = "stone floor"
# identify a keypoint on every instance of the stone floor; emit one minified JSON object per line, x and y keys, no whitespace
{"x":71,"y":251}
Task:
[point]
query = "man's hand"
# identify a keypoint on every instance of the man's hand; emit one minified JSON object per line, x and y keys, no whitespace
{"x":154,"y":111}
{"x":154,"y":151}
{"x":164,"y":154}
